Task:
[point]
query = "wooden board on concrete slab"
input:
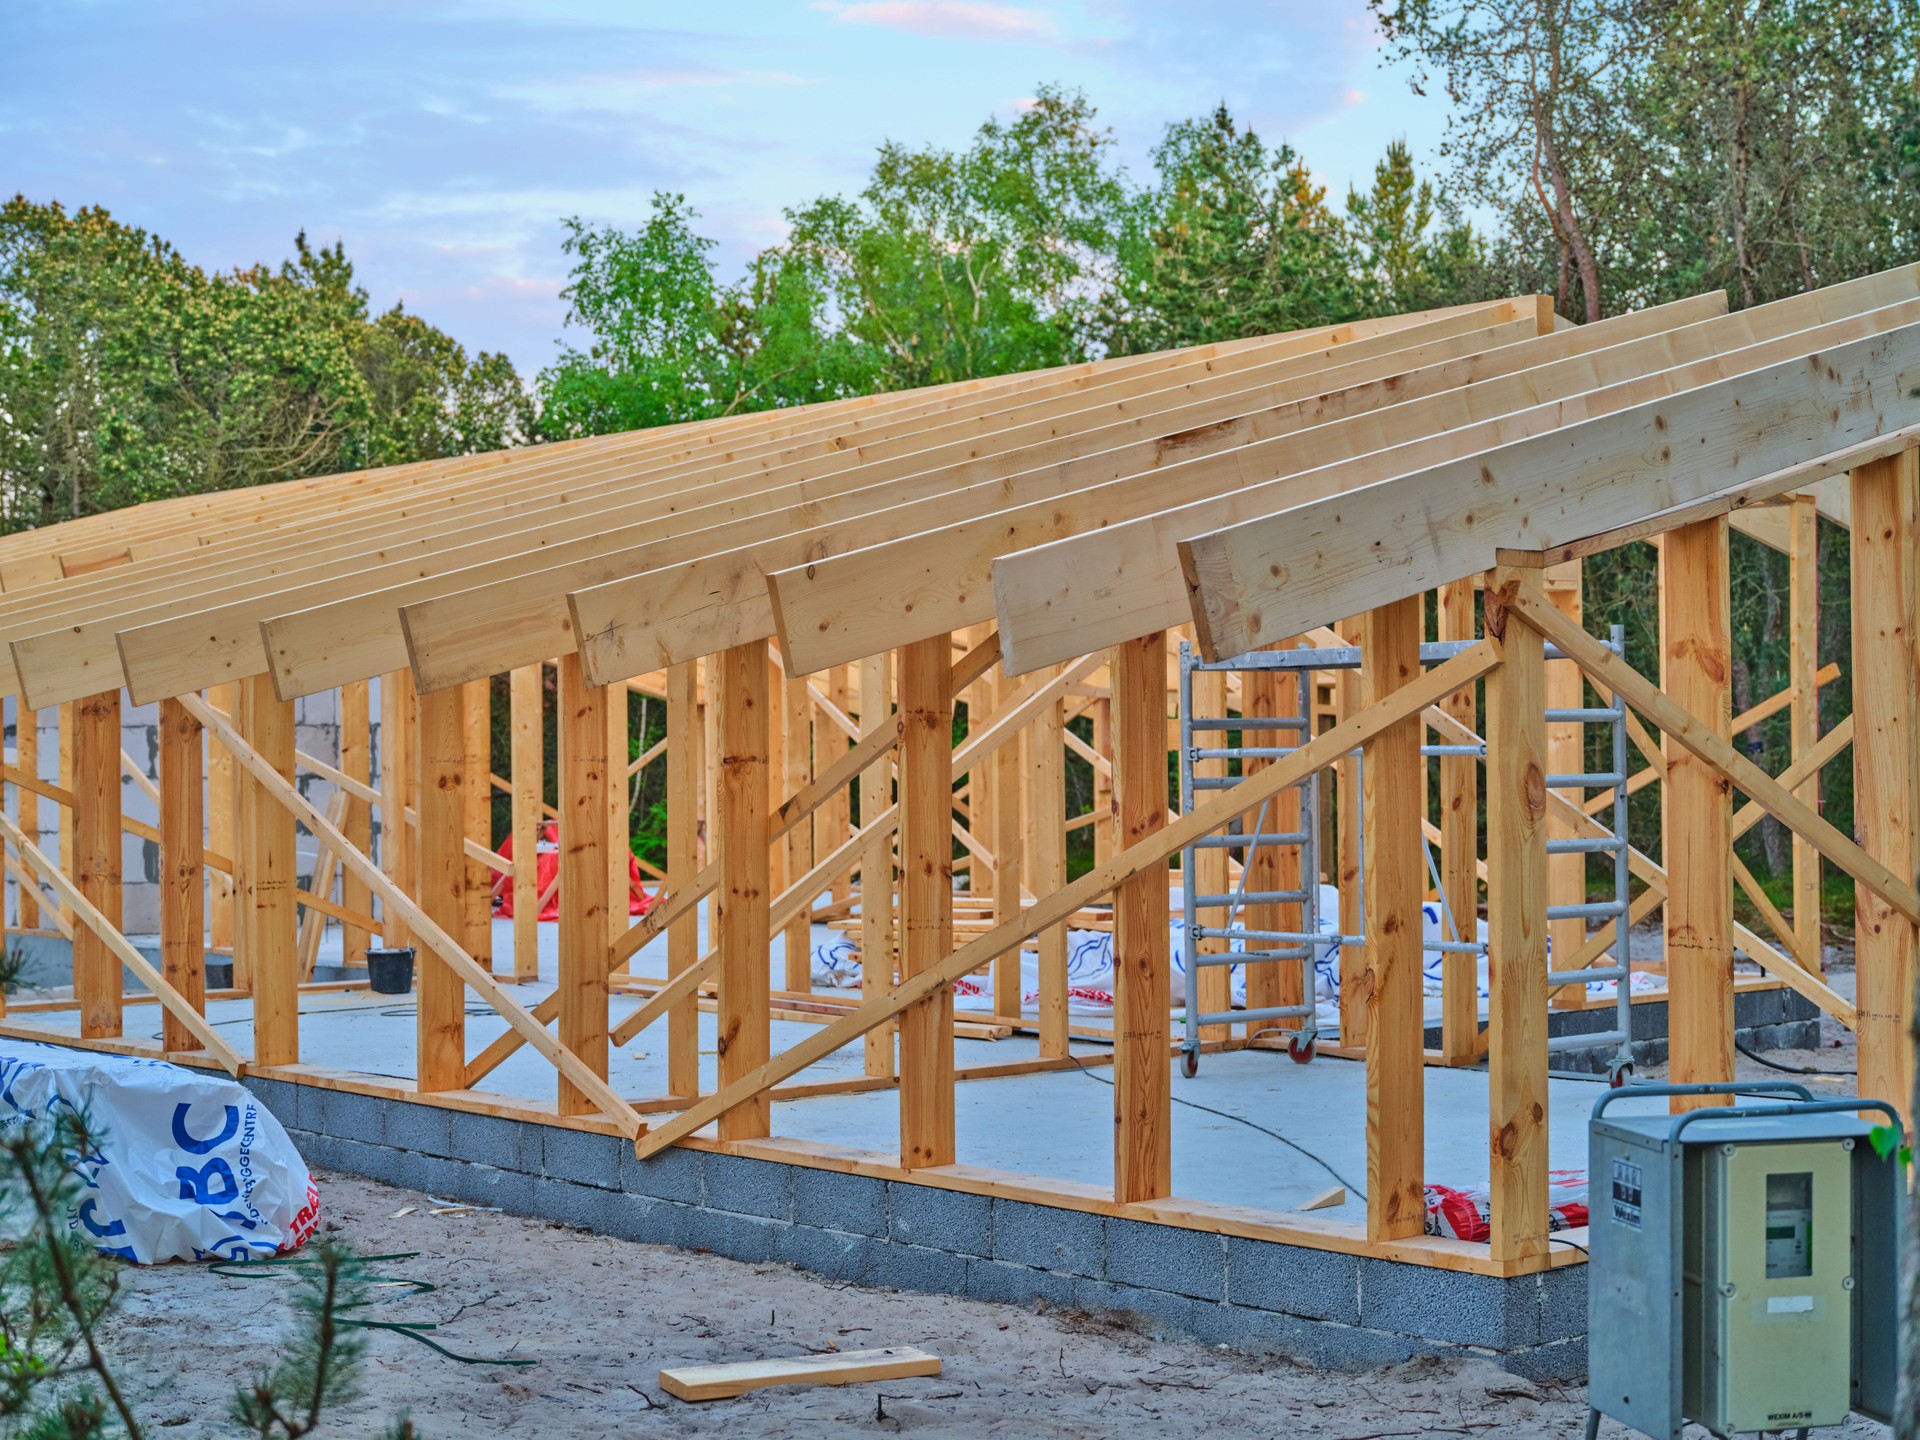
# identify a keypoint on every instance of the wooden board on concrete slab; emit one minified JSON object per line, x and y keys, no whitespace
{"x":723,"y":1382}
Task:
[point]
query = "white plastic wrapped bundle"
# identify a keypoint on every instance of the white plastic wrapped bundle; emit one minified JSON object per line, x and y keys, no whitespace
{"x":189,"y":1167}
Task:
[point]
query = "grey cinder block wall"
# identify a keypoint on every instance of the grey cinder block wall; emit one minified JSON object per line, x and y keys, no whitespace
{"x":1320,"y":1306}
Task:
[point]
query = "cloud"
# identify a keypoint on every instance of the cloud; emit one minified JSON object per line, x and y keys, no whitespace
{"x":947,"y":19}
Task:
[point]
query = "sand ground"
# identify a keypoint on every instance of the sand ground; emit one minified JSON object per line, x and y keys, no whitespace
{"x":603,"y":1316}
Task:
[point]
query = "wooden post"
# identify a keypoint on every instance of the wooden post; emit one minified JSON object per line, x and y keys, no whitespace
{"x":1803,"y":665}
{"x":1046,"y":740}
{"x":619,"y":805}
{"x":796,"y":723}
{"x":683,"y":863}
{"x":1103,"y":826}
{"x":1566,"y":752}
{"x":476,"y":713}
{"x":397,"y":849}
{"x":1517,"y":887}
{"x":876,"y":865}
{"x":26,"y":745}
{"x":1395,"y":796}
{"x":95,"y":860}
{"x":1460,"y":847}
{"x":1885,"y":495}
{"x":223,"y":811}
{"x":265,"y":836}
{"x":62,"y":818}
{"x":584,"y":924}
{"x":1142,"y":1061}
{"x":742,"y":920}
{"x":1007,"y":837}
{"x":831,"y":822}
{"x":446,"y":817}
{"x":525,"y":699}
{"x":1696,"y":650}
{"x":1354,"y":1012}
{"x":356,"y":760}
{"x":926,"y":900}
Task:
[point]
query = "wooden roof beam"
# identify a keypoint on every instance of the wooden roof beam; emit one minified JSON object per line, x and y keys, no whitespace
{"x":1271,"y":576}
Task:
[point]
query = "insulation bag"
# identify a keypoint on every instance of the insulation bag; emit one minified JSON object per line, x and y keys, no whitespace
{"x":1466,"y":1213}
{"x":189,"y":1165}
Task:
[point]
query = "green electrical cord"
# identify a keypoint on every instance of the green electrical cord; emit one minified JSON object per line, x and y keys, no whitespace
{"x":412,"y":1329}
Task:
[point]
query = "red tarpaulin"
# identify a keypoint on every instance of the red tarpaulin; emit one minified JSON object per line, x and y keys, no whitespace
{"x":546,"y":862}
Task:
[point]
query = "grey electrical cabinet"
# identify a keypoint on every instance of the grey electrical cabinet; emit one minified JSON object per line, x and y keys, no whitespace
{"x":1742,"y":1266}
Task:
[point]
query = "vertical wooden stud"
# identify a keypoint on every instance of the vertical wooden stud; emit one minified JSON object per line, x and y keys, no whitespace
{"x":1517,"y":888}
{"x":269,"y":912}
{"x":683,"y":863}
{"x":1048,"y":745}
{"x":1460,"y":847}
{"x":743,"y":915}
{"x":446,"y":820}
{"x":525,"y":697}
{"x":1103,"y":826}
{"x":1348,"y":829}
{"x":1142,"y":1061}
{"x":796,"y":751}
{"x":356,"y":760}
{"x":476,"y":714}
{"x":1395,"y":795}
{"x":1002,"y":776}
{"x":223,"y":810}
{"x":926,"y":900}
{"x":63,"y":818}
{"x":397,"y":850}
{"x":1803,"y":664}
{"x":876,"y":865}
{"x":1696,"y":650}
{"x":619,"y":813}
{"x":1885,"y":495}
{"x":26,"y":745}
{"x":585,"y":934}
{"x":95,"y":859}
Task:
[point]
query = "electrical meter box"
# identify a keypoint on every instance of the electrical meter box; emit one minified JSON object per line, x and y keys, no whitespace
{"x":1742,"y":1266}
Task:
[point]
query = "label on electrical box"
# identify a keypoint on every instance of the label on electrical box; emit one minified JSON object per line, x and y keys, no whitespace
{"x":1626,"y":1194}
{"x":1790,"y":1304}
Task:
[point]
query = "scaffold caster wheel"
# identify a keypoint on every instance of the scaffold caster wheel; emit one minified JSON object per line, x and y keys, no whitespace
{"x":1621,"y":1074}
{"x":1189,"y":1063}
{"x":1300,"y":1050}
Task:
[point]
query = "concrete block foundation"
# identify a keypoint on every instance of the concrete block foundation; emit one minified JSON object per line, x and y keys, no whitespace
{"x":1322,"y":1306}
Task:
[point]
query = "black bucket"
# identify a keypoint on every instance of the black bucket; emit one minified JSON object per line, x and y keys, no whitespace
{"x":390,"y":972}
{"x":219,"y":974}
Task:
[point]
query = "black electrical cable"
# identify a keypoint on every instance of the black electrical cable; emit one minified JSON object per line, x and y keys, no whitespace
{"x":1790,"y":1069}
{"x":1251,"y":1125}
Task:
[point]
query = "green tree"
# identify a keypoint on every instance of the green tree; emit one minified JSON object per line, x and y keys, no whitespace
{"x":1235,"y":239}
{"x":129,"y":374}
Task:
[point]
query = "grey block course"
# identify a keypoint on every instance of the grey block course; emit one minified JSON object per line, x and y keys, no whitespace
{"x":1322,"y":1307}
{"x":495,"y":1140}
{"x":423,"y":1129}
{"x":750,"y":1187}
{"x":1164,"y":1257}
{"x":1049,"y":1238}
{"x":1008,"y":1284}
{"x":946,"y":1219}
{"x":674,"y":1174}
{"x":1448,"y":1305}
{"x":1293,"y":1280}
{"x":839,"y":1202}
{"x":583,"y":1157}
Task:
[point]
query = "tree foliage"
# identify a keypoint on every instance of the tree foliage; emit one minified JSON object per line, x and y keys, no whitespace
{"x":129,"y":374}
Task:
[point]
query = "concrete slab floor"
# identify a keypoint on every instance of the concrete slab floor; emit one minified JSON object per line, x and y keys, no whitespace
{"x":1058,"y":1125}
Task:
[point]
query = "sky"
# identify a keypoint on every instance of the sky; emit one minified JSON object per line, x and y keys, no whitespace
{"x":443,"y":140}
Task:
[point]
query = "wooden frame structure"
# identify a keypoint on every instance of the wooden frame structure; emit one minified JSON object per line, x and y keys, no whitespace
{"x":812,"y":592}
